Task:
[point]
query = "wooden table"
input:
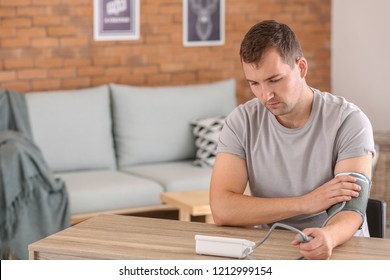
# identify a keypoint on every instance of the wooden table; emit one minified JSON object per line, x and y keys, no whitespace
{"x":191,"y":203}
{"x":125,"y":237}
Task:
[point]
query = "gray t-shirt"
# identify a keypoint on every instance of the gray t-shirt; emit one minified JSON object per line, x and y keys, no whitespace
{"x":286,"y":162}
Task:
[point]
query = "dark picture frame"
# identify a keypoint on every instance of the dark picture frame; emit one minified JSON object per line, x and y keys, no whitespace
{"x":116,"y":20}
{"x":203,"y":22}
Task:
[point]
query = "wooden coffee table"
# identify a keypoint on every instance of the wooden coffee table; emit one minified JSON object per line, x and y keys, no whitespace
{"x":191,"y":203}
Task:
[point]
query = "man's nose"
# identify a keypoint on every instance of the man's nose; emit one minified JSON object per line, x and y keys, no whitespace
{"x":267,"y":92}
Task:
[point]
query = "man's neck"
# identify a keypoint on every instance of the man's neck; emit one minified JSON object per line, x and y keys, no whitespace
{"x":301,"y":113}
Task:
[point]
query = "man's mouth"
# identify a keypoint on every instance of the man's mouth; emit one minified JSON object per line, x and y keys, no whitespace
{"x":272,"y":104}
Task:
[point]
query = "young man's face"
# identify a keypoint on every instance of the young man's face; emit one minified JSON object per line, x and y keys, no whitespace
{"x":275,"y":83}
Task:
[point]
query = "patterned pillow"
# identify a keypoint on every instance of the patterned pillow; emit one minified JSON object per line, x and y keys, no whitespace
{"x":206,"y":132}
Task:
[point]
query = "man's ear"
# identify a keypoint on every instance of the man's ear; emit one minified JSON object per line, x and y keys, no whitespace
{"x":302,"y":66}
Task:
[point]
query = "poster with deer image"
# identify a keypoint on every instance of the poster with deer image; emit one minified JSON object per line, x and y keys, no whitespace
{"x":116,"y":20}
{"x":203,"y":22}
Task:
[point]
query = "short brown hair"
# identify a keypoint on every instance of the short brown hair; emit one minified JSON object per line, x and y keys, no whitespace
{"x":268,"y":34}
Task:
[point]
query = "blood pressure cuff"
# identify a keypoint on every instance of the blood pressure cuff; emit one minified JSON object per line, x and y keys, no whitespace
{"x":357,"y":204}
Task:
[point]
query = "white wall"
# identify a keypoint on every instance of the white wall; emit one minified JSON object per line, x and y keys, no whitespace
{"x":361,"y":56}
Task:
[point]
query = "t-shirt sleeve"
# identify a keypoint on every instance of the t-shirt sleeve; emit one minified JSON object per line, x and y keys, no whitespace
{"x":232,"y":136}
{"x":355,"y":137}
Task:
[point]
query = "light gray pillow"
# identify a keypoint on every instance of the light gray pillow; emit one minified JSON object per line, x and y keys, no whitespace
{"x":153,"y":124}
{"x":73,"y":128}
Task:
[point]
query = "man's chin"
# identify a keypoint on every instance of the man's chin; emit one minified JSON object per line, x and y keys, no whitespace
{"x":277,"y":111}
{"x":274,"y":110}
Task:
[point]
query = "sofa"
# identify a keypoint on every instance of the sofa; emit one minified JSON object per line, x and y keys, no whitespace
{"x":118,"y":147}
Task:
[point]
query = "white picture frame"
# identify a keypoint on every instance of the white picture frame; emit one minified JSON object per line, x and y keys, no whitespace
{"x":116,"y":20}
{"x":203,"y":22}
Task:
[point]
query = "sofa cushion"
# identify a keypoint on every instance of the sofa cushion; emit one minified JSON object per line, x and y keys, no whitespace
{"x":73,"y":128}
{"x":206,"y":132}
{"x":94,"y":191}
{"x":174,"y":176}
{"x":152,"y":124}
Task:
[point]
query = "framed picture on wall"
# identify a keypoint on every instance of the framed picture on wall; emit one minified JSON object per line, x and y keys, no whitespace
{"x":116,"y":20}
{"x":203,"y":22}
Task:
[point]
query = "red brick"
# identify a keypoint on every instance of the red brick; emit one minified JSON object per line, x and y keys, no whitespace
{"x":118,"y":71}
{"x":36,"y":52}
{"x":44,"y":42}
{"x":90,"y":71}
{"x":153,"y":39}
{"x":101,"y":80}
{"x":74,"y":41}
{"x":75,"y":83}
{"x":7,"y":12}
{"x":19,"y":86}
{"x":147,"y":69}
{"x":31,"y":11}
{"x":49,"y":62}
{"x":137,"y":80}
{"x":46,"y":20}
{"x":78,"y":2}
{"x":115,"y":50}
{"x":16,"y":22}
{"x":61,"y":31}
{"x":78,"y":62}
{"x":157,"y":19}
{"x":10,"y":53}
{"x":62,"y":72}
{"x":83,"y":11}
{"x":149,"y":9}
{"x":46,"y":84}
{"x":31,"y":32}
{"x":170,"y":9}
{"x":19,"y":63}
{"x":46,"y":2}
{"x":15,"y":43}
{"x":32,"y":74}
{"x":7,"y":76}
{"x":7,"y":3}
{"x":209,"y":75}
{"x":158,"y":79}
{"x":7,"y":32}
{"x":185,"y":77}
{"x":172,"y":67}
{"x":107,"y":60}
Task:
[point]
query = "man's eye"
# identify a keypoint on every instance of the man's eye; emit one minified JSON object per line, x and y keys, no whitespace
{"x":253,"y":83}
{"x":275,"y":81}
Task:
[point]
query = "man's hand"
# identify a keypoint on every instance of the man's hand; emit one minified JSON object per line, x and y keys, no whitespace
{"x":338,"y":230}
{"x":319,"y":248}
{"x":339,"y":189}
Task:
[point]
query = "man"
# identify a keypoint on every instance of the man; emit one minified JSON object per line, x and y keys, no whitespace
{"x":288,"y":143}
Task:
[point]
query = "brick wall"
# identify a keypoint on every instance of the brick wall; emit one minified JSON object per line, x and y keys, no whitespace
{"x":48,"y":45}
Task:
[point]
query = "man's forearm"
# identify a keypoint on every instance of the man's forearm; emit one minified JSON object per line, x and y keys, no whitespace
{"x":343,"y":226}
{"x":241,"y":210}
